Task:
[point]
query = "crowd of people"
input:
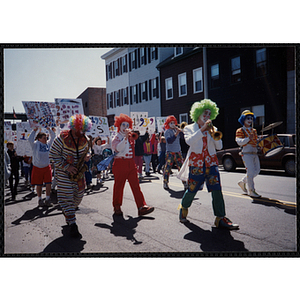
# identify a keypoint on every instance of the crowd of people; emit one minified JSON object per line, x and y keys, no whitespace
{"x":68,"y":162}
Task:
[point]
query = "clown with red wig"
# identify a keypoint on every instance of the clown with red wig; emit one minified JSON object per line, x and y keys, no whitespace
{"x":67,"y":150}
{"x":173,"y":148}
{"x":124,"y":167}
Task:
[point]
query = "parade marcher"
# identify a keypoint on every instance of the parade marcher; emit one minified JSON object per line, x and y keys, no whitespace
{"x":15,"y":167}
{"x":27,"y":168}
{"x":124,"y":167}
{"x":246,"y":137}
{"x":7,"y":167}
{"x":139,"y":152}
{"x":41,"y":170}
{"x":173,"y":150}
{"x":154,"y":156}
{"x":147,"y":156}
{"x":88,"y":173}
{"x":201,"y":164}
{"x":68,"y":153}
{"x":161,"y":149}
{"x":183,"y":145}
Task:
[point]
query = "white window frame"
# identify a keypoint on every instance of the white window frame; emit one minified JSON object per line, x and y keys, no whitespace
{"x":125,"y":99}
{"x":124,"y":64}
{"x":134,"y":95}
{"x":142,"y":55}
{"x":109,"y":71}
{"x":194,"y":80}
{"x":133,"y":60}
{"x":116,"y":70}
{"x":154,"y":88}
{"x":153,"y":49}
{"x":170,"y":79}
{"x":143,"y":91}
{"x":182,"y":75}
{"x":183,"y":118}
{"x":179,"y":53}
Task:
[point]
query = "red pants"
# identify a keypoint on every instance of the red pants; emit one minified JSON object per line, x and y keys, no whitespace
{"x":126,"y":169}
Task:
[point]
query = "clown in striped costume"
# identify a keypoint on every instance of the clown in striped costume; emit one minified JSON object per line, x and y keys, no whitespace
{"x":246,"y":137}
{"x":66,"y":151}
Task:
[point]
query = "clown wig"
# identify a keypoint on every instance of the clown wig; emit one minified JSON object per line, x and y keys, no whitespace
{"x":198,"y":108}
{"x":123,"y":118}
{"x":168,"y":120}
{"x":245,"y":113}
{"x":80,"y":123}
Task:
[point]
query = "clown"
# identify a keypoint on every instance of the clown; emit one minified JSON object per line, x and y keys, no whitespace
{"x":173,"y":148}
{"x":246,"y":137}
{"x":201,"y":164}
{"x":67,"y":150}
{"x":124,"y":167}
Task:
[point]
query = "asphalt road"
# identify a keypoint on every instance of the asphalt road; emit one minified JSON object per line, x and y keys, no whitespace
{"x":267,"y":225}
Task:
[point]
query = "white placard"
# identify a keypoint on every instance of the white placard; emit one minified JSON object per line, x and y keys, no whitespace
{"x":99,"y":128}
{"x":147,"y":124}
{"x":7,"y":125}
{"x":23,"y":132}
{"x":65,"y":108}
{"x":136,"y":116}
{"x":160,"y":121}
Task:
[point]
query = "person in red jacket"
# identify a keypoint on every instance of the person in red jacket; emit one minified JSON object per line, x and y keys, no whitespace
{"x":124,"y":167}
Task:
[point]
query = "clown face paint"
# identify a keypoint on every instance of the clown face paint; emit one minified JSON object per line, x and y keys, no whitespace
{"x":248,"y":121}
{"x":172,"y":124}
{"x":205,"y":115}
{"x":124,"y":126}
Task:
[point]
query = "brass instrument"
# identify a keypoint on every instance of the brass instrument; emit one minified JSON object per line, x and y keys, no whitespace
{"x":216,"y":135}
{"x":81,"y":167}
{"x":133,"y":135}
{"x":182,"y":125}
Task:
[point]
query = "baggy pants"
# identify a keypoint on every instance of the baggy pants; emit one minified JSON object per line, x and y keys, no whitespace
{"x":172,"y":157}
{"x":211,"y":176}
{"x":125,"y":169}
{"x":252,"y":165}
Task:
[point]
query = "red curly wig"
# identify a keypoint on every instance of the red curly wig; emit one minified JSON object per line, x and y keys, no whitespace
{"x":168,"y":120}
{"x":122,"y":118}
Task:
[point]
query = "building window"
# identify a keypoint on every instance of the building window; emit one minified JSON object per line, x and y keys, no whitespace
{"x":169,"y":88}
{"x":116,"y":65}
{"x":259,"y":112}
{"x":183,"y":118}
{"x":125,"y":96}
{"x":133,"y":60}
{"x":124,"y":64}
{"x":143,"y":86}
{"x":109,"y":71}
{"x":154,"y":88}
{"x":178,"y":51}
{"x":117,"y":95}
{"x":153,"y":54}
{"x":214,"y":76}
{"x":134,"y":94}
{"x":143,"y":57}
{"x":110,"y":101}
{"x":261,"y":62}
{"x":197,"y":80}
{"x":182,"y":84}
{"x":236,"y":70}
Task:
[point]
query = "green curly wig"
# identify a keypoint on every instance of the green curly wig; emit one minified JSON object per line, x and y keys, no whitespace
{"x":199,"y":107}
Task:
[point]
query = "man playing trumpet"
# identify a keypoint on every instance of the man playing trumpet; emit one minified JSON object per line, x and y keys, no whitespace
{"x":201,"y":164}
{"x":246,"y":137}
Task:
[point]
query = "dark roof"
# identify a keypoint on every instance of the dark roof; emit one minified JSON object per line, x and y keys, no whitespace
{"x":173,"y":59}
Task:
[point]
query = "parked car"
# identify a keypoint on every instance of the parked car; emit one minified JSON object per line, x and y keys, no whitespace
{"x":284,"y":160}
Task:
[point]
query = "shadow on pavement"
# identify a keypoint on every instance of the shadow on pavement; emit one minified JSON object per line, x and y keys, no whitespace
{"x":65,"y":244}
{"x":124,"y":228}
{"x":176,"y":194}
{"x":37,"y":213}
{"x":289,"y":209}
{"x":215,"y":240}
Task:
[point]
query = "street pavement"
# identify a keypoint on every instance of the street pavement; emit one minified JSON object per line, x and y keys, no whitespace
{"x":267,"y":225}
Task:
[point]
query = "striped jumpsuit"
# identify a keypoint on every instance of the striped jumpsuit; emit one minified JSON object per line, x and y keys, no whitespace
{"x":64,"y":153}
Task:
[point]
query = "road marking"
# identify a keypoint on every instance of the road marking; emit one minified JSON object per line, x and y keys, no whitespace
{"x":262,"y":199}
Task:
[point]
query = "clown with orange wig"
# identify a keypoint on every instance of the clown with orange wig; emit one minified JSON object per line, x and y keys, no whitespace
{"x":67,"y":150}
{"x":124,"y":167}
{"x":173,"y":148}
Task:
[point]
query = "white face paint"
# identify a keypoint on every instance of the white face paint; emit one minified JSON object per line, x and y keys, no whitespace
{"x":124,"y":126}
{"x":248,"y":121}
{"x":205,"y":115}
{"x":172,"y":124}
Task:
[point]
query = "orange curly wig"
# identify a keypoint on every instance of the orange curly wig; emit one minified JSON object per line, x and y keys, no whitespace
{"x":122,"y":118}
{"x":168,"y":120}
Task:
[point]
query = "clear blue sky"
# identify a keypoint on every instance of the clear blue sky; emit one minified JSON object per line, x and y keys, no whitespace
{"x":39,"y":74}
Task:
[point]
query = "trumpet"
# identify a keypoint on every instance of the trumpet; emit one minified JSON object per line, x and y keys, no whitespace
{"x":216,"y":135}
{"x":133,"y":135}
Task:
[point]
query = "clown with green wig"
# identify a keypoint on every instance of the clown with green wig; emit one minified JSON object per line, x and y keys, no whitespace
{"x":201,"y":164}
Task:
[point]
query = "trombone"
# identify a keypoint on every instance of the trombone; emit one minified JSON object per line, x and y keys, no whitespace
{"x":216,"y":135}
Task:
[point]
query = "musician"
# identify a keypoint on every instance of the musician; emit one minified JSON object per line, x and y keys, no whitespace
{"x":246,"y":137}
{"x":201,"y":164}
{"x":124,"y":167}
{"x":68,"y":152}
{"x":173,"y":149}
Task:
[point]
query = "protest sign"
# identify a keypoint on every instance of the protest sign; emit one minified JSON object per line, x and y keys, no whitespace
{"x":136,"y":116}
{"x":65,"y":108}
{"x":99,"y":128}
{"x":23,"y":132}
{"x":160,"y":121}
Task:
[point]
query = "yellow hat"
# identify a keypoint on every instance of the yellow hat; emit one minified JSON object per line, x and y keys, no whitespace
{"x":247,"y":112}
